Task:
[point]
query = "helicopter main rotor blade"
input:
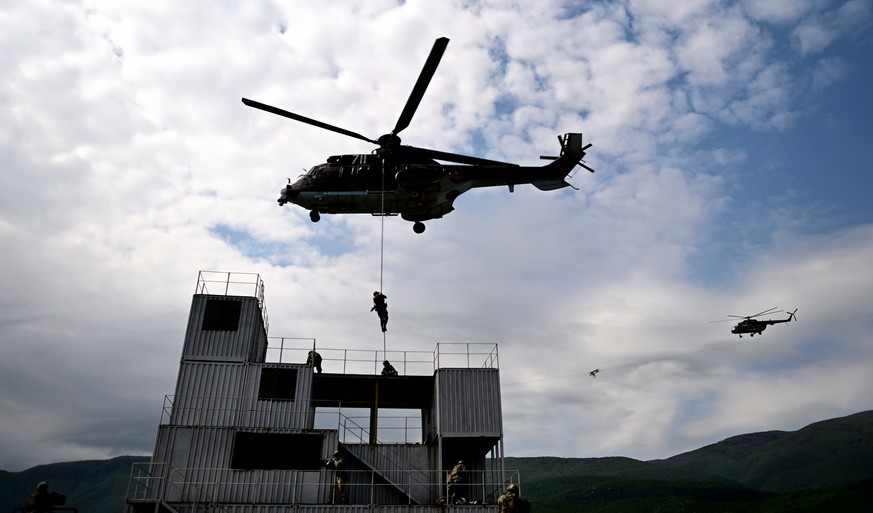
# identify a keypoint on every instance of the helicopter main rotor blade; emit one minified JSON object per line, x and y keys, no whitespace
{"x":453,"y":157}
{"x":304,"y":119}
{"x":767,"y":311}
{"x":430,"y":66}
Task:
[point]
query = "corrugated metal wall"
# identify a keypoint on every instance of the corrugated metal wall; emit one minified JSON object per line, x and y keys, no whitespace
{"x":198,"y":469}
{"x":226,"y":394}
{"x":469,"y":402}
{"x":208,"y":394}
{"x":296,"y":414}
{"x":247,"y":343}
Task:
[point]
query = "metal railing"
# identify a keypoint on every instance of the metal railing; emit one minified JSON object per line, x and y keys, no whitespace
{"x":222,"y":283}
{"x":23,"y":509}
{"x":240,"y":412}
{"x":407,"y":363}
{"x":160,"y":482}
{"x":408,"y":432}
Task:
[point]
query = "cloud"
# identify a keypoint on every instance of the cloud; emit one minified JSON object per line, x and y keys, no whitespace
{"x":130,"y":164}
{"x":822,"y":28}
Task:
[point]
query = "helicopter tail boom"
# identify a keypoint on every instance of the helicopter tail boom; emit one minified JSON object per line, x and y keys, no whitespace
{"x":572,"y":153}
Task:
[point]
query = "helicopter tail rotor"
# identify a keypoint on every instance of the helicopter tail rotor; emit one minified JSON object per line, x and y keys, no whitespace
{"x":791,"y":316}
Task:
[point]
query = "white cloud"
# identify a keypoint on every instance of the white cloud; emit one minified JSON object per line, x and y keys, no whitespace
{"x":821,"y":28}
{"x":130,"y":164}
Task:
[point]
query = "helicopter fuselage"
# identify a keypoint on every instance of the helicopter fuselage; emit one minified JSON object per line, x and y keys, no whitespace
{"x":755,"y":326}
{"x":750,"y":326}
{"x":417,"y":190}
{"x":407,"y":180}
{"x":355,"y":184}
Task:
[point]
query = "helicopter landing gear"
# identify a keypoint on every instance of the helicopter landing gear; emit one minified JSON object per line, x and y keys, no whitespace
{"x":418,"y":227}
{"x":314,"y":216}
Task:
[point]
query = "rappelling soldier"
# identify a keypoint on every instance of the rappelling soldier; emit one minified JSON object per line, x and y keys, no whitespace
{"x":380,"y":305}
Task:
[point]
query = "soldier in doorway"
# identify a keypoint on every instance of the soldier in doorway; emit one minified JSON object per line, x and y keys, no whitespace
{"x":454,"y":483}
{"x":341,"y":475}
{"x":381,"y":306}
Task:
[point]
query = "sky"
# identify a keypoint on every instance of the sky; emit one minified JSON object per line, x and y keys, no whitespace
{"x":731,"y":146}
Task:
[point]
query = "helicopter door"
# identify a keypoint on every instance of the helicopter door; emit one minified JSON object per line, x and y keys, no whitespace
{"x":376,"y":181}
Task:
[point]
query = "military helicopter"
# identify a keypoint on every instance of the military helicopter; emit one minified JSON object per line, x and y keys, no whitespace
{"x":751,"y":325}
{"x":410,"y":181}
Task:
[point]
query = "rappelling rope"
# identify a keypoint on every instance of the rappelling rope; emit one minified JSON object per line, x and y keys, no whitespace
{"x":382,"y":256}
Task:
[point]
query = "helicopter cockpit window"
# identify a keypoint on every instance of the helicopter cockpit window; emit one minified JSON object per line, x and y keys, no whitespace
{"x":312,"y":175}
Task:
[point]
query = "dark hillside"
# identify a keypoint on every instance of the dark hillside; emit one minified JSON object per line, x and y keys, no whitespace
{"x":826,"y":466}
{"x":94,"y":486}
{"x":548,"y":467}
{"x":617,"y":495}
{"x":826,"y":454}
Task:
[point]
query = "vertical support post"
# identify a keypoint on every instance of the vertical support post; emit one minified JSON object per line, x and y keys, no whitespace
{"x":374,"y":414}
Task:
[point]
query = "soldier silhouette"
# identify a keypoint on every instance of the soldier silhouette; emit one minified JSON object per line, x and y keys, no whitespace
{"x":381,"y":307}
{"x":388,"y":369}
{"x":341,"y":475}
{"x":314,"y":359}
{"x":511,"y":502}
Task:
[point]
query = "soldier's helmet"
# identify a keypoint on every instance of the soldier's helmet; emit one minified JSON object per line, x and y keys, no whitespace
{"x":512,"y":488}
{"x":41,"y":487}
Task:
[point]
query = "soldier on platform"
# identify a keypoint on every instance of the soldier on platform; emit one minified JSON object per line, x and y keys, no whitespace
{"x":314,"y":359}
{"x":454,"y":482}
{"x":388,"y":369}
{"x":42,"y":501}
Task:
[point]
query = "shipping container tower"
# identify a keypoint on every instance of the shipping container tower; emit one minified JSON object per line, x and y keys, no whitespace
{"x":253,"y":425}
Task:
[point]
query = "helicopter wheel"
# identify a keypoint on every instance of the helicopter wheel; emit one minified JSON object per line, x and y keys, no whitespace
{"x":418,"y":227}
{"x":314,"y":216}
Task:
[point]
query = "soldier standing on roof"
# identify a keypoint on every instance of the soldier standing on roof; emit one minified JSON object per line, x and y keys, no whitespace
{"x":388,"y":369}
{"x":314,"y":359}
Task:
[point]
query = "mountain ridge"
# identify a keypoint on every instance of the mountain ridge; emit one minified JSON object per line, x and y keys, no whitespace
{"x":825,"y":463}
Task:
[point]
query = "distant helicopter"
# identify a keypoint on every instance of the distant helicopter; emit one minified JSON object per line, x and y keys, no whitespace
{"x":751,"y":325}
{"x":406,"y":180}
